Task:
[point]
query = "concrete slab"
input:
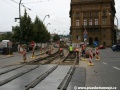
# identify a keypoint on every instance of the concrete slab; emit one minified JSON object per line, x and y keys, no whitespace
{"x":53,"y":80}
{"x":22,"y":81}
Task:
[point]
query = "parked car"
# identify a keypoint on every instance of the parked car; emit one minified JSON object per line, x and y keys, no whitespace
{"x":101,"y":47}
{"x":116,"y":47}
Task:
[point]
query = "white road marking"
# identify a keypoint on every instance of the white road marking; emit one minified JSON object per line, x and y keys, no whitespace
{"x":116,"y":68}
{"x":104,"y":63}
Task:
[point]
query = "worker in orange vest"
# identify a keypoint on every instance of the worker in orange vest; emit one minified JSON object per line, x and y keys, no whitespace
{"x":61,"y":51}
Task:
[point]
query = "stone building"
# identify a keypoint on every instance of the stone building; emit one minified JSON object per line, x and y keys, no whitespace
{"x":95,"y":16}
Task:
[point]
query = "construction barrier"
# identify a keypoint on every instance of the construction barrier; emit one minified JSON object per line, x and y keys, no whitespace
{"x":90,"y":58}
{"x":97,"y":54}
{"x":24,"y":55}
{"x":33,"y":55}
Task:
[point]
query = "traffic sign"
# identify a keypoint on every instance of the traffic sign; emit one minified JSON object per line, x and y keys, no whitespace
{"x":95,"y":43}
{"x":32,"y":43}
{"x":85,"y":36}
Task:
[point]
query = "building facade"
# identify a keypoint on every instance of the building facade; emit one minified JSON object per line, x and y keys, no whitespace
{"x":95,"y":16}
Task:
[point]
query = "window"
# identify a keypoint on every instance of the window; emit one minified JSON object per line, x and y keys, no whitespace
{"x":77,"y":23}
{"x":104,"y":21}
{"x":85,"y":14}
{"x":77,"y":15}
{"x":85,"y":22}
{"x":96,"y":21}
{"x":96,"y":14}
{"x":77,"y":31}
{"x":90,"y":14}
{"x":90,"y":21}
{"x":104,"y":13}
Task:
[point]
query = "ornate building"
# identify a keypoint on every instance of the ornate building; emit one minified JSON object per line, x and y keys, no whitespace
{"x":97,"y":17}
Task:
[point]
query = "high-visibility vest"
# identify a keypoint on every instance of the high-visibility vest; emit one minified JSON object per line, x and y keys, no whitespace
{"x":71,"y":48}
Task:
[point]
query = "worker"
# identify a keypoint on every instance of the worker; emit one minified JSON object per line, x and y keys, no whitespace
{"x":61,"y":52}
{"x":83,"y":50}
{"x":71,"y":51}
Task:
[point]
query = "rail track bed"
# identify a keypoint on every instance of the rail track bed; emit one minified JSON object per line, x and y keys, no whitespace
{"x":48,"y":73}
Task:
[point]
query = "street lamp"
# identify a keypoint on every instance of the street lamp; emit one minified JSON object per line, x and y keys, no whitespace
{"x":48,"y":24}
{"x":45,"y":17}
{"x":20,"y":20}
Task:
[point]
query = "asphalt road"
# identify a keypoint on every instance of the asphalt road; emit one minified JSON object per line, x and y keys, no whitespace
{"x":104,"y":73}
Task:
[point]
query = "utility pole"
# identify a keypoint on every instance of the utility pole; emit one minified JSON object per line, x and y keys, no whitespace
{"x":19,"y":22}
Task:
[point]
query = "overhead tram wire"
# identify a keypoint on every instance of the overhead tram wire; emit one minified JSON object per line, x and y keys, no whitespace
{"x":10,"y":4}
{"x":26,"y":7}
{"x":35,"y":2}
{"x":21,"y":5}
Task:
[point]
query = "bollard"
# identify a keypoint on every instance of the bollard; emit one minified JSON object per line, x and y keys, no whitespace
{"x":90,"y":58}
{"x":97,"y":54}
{"x":24,"y":55}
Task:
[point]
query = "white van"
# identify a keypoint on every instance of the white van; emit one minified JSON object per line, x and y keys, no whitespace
{"x":6,"y":43}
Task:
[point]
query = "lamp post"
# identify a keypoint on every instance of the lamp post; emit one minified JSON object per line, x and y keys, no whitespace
{"x":45,"y":17}
{"x":20,"y":21}
{"x":48,"y":24}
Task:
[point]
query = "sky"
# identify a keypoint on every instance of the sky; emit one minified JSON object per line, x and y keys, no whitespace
{"x":57,"y":9}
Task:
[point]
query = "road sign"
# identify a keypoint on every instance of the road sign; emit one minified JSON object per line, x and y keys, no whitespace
{"x":32,"y":43}
{"x":95,"y":43}
{"x":85,"y":36}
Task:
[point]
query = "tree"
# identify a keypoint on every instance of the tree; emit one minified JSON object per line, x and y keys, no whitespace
{"x":56,"y":37}
{"x":31,"y":31}
{"x":6,"y":36}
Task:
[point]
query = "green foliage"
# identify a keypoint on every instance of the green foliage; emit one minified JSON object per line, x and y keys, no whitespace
{"x":56,"y":37}
{"x":6,"y":36}
{"x":31,"y":31}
